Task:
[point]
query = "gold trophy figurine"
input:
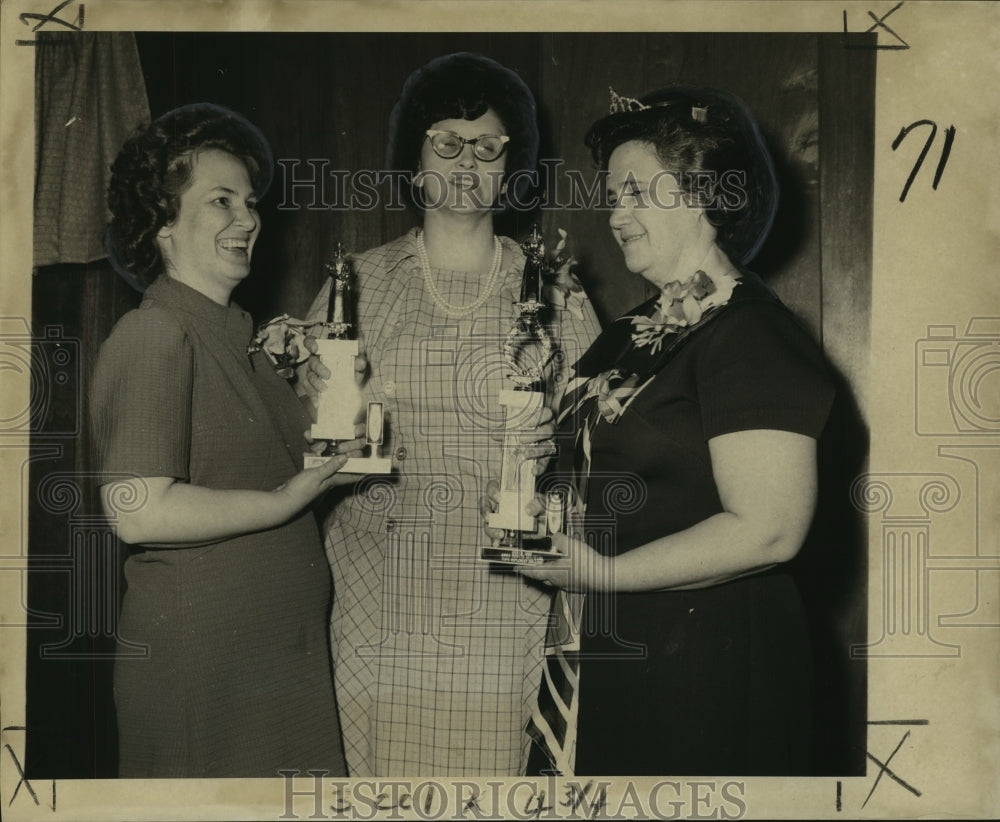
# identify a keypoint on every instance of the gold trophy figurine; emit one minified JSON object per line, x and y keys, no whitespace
{"x":338,"y":407}
{"x":527,"y":348}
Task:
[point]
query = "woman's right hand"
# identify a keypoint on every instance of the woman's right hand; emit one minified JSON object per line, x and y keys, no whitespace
{"x":310,"y":483}
{"x":490,"y":504}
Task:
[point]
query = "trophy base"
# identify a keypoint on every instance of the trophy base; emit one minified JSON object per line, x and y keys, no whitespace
{"x":520,"y":551}
{"x":354,"y":465}
{"x":511,"y":514}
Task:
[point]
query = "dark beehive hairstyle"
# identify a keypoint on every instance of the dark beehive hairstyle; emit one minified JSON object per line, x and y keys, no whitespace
{"x":463,"y":86}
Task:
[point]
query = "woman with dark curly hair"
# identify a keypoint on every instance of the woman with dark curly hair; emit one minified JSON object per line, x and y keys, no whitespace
{"x":699,"y":414}
{"x":200,"y":449}
{"x":438,"y":657}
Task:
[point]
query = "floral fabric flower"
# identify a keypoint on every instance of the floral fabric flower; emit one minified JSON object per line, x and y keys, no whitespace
{"x":562,"y":288}
{"x":682,"y":304}
{"x":282,"y":339}
{"x":613,"y":390}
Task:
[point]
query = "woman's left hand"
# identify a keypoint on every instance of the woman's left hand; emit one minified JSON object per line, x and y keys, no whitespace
{"x":581,"y":569}
{"x":312,"y":377}
{"x":314,"y":374}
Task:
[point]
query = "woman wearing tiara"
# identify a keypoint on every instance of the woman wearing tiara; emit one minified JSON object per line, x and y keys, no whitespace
{"x":437,"y":656}
{"x":708,"y":400}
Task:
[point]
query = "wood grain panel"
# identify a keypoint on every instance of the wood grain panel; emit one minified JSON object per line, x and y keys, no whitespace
{"x":575,"y":94}
{"x":847,"y":137}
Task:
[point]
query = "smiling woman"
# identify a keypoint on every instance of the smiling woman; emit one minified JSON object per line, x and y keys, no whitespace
{"x":693,"y":653}
{"x":208,"y":245}
{"x":658,"y":230}
{"x":227,"y":585}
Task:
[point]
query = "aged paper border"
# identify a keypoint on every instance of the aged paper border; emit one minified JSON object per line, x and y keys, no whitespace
{"x":932,"y":267}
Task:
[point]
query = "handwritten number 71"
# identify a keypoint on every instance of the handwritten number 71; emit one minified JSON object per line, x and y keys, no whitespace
{"x":949,"y":138}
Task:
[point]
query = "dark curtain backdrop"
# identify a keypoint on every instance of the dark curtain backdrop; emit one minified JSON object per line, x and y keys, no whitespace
{"x":326,"y":98}
{"x":89,"y":96}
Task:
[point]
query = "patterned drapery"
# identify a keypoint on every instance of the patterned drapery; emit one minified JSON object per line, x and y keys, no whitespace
{"x":89,"y":96}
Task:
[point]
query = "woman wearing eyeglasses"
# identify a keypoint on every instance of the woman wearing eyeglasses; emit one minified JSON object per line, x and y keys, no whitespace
{"x":437,"y":656}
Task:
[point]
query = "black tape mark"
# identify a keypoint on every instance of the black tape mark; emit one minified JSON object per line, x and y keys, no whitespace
{"x":51,"y":17}
{"x":899,"y":722}
{"x":899,"y":45}
{"x":884,"y":769}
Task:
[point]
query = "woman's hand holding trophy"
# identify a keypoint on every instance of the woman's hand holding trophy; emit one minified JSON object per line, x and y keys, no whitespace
{"x":513,"y":517}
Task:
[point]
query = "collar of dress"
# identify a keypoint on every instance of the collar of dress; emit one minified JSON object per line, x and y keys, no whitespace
{"x":232,"y":321}
{"x":405,"y":251}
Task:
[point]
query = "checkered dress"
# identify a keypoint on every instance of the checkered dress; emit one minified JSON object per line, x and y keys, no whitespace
{"x":437,"y":656}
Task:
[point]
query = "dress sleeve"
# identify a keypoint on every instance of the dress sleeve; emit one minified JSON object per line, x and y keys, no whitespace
{"x":140,"y":399}
{"x":759,"y":369}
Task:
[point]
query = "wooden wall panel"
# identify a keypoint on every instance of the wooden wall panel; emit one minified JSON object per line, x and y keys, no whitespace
{"x":837,"y":581}
{"x":575,"y":94}
{"x":69,"y":708}
{"x":847,"y":137}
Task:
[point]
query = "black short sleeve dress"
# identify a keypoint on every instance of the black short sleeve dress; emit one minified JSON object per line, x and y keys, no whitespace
{"x":714,"y":681}
{"x":237,"y":680}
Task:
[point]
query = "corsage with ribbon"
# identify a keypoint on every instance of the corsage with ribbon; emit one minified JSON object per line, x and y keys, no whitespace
{"x":681,"y":305}
{"x":562,"y":287}
{"x":283,"y":340}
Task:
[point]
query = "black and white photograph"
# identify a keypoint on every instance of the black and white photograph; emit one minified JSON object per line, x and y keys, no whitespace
{"x":530,"y":410}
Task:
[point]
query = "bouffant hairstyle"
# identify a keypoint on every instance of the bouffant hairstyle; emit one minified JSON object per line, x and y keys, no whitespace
{"x":710,"y":141}
{"x":463,"y":86}
{"x":152,"y":170}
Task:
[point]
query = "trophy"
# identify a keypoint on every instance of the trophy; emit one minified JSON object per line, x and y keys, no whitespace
{"x":525,"y":537}
{"x":337,"y":407}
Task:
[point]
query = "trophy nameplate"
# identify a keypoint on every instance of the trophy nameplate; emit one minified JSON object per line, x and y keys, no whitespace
{"x":339,"y":406}
{"x":373,"y":464}
{"x":532,"y":549}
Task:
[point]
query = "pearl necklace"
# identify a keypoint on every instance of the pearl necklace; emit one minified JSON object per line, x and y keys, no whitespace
{"x":444,"y":305}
